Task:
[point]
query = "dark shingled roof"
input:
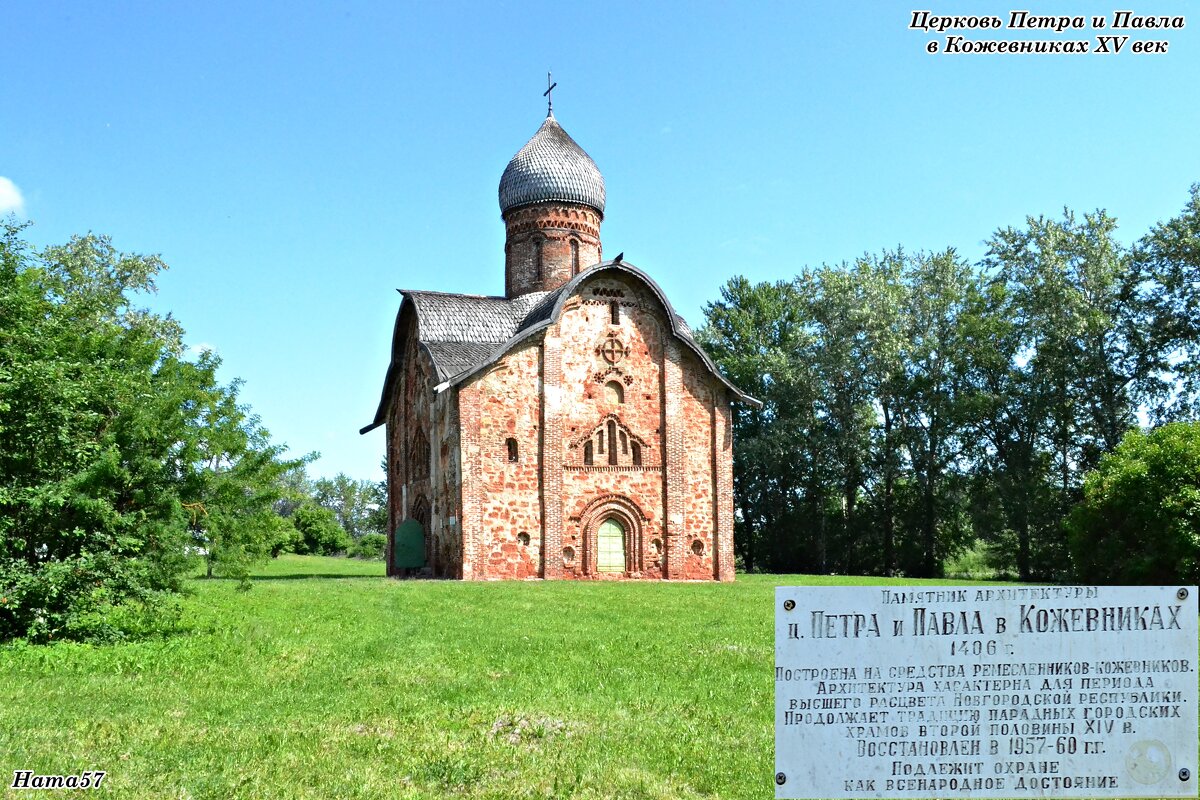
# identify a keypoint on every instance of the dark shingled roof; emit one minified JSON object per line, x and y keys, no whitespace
{"x":465,"y":334}
{"x":460,"y":331}
{"x":551,"y":166}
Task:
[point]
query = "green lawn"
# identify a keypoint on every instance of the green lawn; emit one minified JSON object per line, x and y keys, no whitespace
{"x":327,"y":680}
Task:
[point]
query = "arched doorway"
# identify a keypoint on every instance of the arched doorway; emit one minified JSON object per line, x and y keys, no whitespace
{"x":613,"y":525}
{"x":610,"y":547}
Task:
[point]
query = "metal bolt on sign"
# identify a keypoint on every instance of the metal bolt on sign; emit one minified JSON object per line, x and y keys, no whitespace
{"x":1183,"y":773}
{"x":1181,"y":594}
{"x":781,"y":779}
{"x":788,"y":605}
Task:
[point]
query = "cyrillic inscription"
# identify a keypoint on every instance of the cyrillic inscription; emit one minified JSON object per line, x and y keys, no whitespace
{"x":1083,"y":691}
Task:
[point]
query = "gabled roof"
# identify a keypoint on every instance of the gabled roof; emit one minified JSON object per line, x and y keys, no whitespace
{"x":462,"y":330}
{"x":465,"y":335}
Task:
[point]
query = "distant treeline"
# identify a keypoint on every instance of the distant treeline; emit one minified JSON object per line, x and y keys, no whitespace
{"x":917,"y":406}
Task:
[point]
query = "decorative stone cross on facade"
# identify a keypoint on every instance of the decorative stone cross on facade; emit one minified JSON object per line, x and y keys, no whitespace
{"x":546,"y":94}
{"x":613,"y":351}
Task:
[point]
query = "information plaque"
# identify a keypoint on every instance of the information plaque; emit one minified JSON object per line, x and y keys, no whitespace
{"x":989,"y":691}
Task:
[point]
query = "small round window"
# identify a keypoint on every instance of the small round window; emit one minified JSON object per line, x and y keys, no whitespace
{"x":698,"y":547}
{"x":523,"y":538}
{"x":568,"y":555}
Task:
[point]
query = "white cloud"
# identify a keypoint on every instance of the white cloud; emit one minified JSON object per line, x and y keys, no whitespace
{"x":10,"y":197}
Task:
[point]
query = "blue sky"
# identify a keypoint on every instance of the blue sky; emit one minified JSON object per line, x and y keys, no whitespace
{"x":295,"y":163}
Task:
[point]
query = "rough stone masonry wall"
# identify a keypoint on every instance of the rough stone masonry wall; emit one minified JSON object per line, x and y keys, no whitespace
{"x":446,"y":487}
{"x":554,"y":398}
{"x":723,"y":480}
{"x":510,"y":540}
{"x":632,"y":493}
{"x":699,"y":519}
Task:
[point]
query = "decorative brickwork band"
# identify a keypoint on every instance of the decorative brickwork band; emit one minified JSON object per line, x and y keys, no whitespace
{"x":548,"y":244}
{"x":472,"y":500}
{"x":673,"y":457}
{"x":723,"y":453}
{"x":552,"y":456}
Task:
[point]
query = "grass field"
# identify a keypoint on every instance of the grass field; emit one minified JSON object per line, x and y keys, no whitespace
{"x":327,"y":680}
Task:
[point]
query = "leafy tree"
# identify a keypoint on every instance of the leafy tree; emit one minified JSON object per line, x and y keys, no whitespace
{"x":232,"y":479}
{"x":886,"y":298}
{"x":356,"y":503}
{"x":1061,"y":369}
{"x":1168,"y":258}
{"x":916,"y":404}
{"x":932,"y":400}
{"x":86,"y":517}
{"x":107,"y":439}
{"x":1139,"y":521}
{"x":757,"y":334}
{"x":840,"y":320}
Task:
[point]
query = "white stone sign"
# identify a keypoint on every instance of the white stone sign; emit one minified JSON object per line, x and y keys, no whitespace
{"x":985,"y":691}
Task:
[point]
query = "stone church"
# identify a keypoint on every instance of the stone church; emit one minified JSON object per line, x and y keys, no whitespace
{"x":572,"y":428}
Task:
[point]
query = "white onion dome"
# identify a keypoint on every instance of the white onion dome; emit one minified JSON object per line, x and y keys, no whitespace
{"x":551,"y":166}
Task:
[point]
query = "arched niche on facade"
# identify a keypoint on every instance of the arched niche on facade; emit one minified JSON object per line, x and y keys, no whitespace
{"x":419,"y":512}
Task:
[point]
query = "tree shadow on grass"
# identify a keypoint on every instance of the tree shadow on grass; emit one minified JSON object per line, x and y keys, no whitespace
{"x":322,"y":575}
{"x":298,"y":576}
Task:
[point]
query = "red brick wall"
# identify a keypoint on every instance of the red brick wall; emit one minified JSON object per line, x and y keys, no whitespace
{"x":548,"y":228}
{"x":510,"y":408}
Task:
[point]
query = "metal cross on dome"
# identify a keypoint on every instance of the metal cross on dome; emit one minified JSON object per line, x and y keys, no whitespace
{"x":546,"y":94}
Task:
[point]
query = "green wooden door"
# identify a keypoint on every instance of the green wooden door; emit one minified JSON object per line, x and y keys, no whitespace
{"x":408,"y":545}
{"x":610,"y":547}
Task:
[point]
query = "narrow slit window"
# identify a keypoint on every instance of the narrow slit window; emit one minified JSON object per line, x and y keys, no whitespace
{"x":587,"y":454}
{"x":624,"y":444}
{"x":637,"y":454}
{"x":612,"y":442}
{"x":537,"y":260}
{"x":600,"y":442}
{"x":513,"y":455}
{"x":614,"y":311}
{"x":574,"y":257}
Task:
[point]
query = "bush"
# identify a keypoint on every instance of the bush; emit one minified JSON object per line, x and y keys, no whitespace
{"x":370,"y":545}
{"x":1139,"y":521}
{"x":320,"y":532}
{"x":92,"y":597}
